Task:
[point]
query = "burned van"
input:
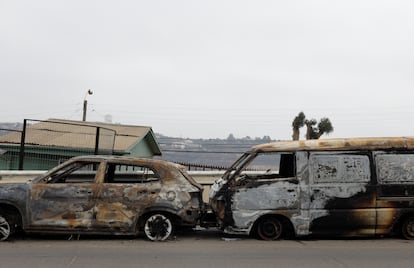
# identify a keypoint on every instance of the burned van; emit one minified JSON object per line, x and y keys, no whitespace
{"x":347,"y":187}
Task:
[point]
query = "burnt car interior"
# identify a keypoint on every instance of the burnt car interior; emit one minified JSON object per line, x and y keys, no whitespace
{"x":121,"y":173}
{"x":79,"y":172}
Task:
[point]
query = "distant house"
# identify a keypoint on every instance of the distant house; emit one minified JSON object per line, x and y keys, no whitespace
{"x":48,"y":143}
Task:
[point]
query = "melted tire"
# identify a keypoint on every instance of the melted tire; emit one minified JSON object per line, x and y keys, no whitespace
{"x":158,"y":227}
{"x":408,"y":228}
{"x":269,"y":228}
{"x":6,"y":228}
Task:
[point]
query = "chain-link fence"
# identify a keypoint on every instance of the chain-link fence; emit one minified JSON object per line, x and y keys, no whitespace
{"x":9,"y":151}
{"x":41,"y":145}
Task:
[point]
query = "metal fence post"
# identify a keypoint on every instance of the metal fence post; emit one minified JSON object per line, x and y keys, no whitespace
{"x":22,"y":142}
{"x":98,"y":130}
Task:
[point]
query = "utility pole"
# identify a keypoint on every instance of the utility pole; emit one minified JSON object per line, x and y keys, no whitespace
{"x":85,"y":104}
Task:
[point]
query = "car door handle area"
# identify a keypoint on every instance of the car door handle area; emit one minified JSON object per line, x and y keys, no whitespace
{"x":84,"y":192}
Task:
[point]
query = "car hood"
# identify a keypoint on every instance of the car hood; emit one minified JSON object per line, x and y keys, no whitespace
{"x":13,"y":191}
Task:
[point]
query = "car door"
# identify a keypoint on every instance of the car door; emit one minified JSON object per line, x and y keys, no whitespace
{"x":127,"y":190}
{"x":342,"y":197}
{"x":65,"y":200}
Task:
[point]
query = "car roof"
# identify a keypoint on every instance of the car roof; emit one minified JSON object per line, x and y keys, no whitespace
{"x":117,"y":158}
{"x":124,"y":159}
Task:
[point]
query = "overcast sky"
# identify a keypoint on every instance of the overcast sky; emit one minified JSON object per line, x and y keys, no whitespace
{"x":205,"y":69}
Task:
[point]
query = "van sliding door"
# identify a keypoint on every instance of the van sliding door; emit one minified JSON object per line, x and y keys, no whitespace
{"x":342,"y":198}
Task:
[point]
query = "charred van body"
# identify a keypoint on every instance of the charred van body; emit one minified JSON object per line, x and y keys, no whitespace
{"x":349,"y":187}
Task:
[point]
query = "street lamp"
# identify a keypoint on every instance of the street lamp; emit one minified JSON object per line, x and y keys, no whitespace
{"x":85,"y":104}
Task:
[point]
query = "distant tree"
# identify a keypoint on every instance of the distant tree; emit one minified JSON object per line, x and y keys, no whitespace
{"x":231,"y":137}
{"x":266,"y":138}
{"x":314,"y":130}
{"x":297,"y":123}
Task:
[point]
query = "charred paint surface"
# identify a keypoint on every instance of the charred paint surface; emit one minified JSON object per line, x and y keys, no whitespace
{"x":395,"y":169}
{"x":61,"y":205}
{"x":342,"y":199}
{"x":250,"y":203}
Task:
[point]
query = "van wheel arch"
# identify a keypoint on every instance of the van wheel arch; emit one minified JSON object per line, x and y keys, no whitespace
{"x":272,"y":227}
{"x":176,"y":220}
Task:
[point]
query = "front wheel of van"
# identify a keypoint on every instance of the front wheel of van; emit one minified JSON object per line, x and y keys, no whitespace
{"x":408,"y":228}
{"x":269,"y":228}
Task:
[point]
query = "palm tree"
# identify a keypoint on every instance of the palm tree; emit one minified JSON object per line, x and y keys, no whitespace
{"x":324,"y":127}
{"x":314,"y":130}
{"x":310,"y":129}
{"x":297,"y":123}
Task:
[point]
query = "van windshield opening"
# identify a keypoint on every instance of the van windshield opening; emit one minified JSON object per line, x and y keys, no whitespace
{"x":267,"y":166}
{"x":237,"y":166}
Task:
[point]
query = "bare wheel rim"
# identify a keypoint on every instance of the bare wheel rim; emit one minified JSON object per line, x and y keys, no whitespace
{"x":269,"y":229}
{"x":5,"y":229}
{"x":408,"y":228}
{"x":158,"y":227}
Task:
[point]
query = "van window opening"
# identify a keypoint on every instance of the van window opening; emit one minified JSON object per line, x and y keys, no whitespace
{"x":270,"y":166}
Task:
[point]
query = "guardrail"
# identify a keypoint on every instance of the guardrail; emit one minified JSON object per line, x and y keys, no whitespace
{"x":205,"y":178}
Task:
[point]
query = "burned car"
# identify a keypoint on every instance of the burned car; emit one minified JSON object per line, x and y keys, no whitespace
{"x":345,"y":187}
{"x":103,"y":195}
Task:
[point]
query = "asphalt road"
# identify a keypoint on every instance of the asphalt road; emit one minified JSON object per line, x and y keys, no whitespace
{"x":204,"y":249}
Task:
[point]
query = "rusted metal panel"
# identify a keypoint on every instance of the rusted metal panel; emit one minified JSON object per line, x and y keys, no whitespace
{"x":250,"y":203}
{"x":342,"y":198}
{"x":339,"y":168}
{"x":395,"y":168}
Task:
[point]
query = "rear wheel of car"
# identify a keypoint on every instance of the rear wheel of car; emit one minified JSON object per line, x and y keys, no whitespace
{"x":158,"y":227}
{"x":269,"y":228}
{"x":6,"y":228}
{"x":408,"y":228}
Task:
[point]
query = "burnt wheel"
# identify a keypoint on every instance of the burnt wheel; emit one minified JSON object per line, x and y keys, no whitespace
{"x":158,"y":227}
{"x":269,"y":228}
{"x":5,"y":228}
{"x":408,"y":228}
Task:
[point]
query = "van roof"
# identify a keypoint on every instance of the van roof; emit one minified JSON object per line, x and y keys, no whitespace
{"x":384,"y":143}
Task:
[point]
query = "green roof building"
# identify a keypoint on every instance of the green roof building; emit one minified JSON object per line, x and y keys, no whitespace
{"x":48,"y":143}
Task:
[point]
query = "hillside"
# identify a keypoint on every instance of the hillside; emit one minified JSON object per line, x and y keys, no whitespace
{"x":4,"y":127}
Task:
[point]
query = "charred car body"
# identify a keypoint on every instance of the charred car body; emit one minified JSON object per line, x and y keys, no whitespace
{"x":349,"y":187}
{"x":103,"y":195}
